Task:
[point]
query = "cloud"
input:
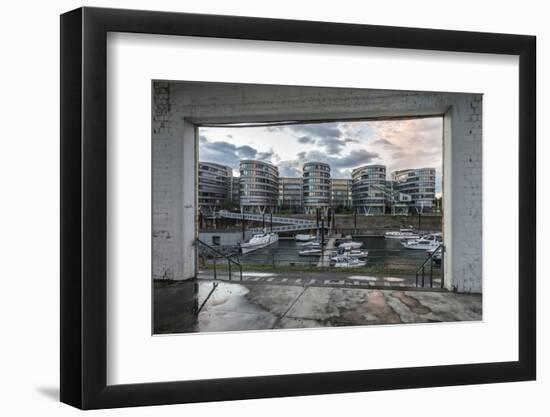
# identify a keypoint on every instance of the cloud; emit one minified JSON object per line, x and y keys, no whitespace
{"x":306,"y":139}
{"x":409,"y":143}
{"x":398,"y":144}
{"x":332,"y":145}
{"x":226,"y":153}
{"x":290,"y":168}
{"x":245,"y":151}
{"x":317,"y":130}
{"x":264,"y":156}
{"x":383,"y":142}
{"x":412,"y":143}
{"x":341,"y":166}
{"x":351,"y":140}
{"x":327,"y":135}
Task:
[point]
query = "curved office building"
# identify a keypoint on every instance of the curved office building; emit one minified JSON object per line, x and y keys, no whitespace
{"x":316,"y":185}
{"x":368,"y":188}
{"x":259,"y":186}
{"x":419,"y":183}
{"x":214,"y":184}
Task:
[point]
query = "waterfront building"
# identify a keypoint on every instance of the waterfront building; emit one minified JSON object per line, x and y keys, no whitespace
{"x":396,"y":202}
{"x":341,"y":195}
{"x":235,"y":190}
{"x":291,"y":194}
{"x":259,"y":186}
{"x":419,"y":183}
{"x":369,"y":189}
{"x":316,"y":186}
{"x":214,"y":185}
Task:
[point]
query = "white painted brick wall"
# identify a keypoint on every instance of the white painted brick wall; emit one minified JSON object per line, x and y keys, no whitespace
{"x":165,"y":240}
{"x":467,"y":239}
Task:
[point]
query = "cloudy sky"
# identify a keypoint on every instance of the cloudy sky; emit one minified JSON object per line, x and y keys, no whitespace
{"x":398,"y":144}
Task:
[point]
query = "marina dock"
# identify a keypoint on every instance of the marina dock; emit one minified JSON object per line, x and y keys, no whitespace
{"x":324,"y":261}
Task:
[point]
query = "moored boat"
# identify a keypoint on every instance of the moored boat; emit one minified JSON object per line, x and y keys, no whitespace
{"x":354,"y":253}
{"x":357,"y":253}
{"x":310,"y":252}
{"x":402,"y":234}
{"x":428,"y":242}
{"x":304,"y":238}
{"x":258,"y":241}
{"x":348,"y":262}
{"x":350,"y":245}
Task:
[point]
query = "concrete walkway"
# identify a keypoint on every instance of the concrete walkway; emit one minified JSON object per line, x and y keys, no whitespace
{"x":261,"y":306}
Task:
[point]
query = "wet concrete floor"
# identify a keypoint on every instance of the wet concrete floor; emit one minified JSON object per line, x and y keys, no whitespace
{"x":262,"y":305}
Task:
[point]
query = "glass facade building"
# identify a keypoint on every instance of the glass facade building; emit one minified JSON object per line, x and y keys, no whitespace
{"x":341,"y":196}
{"x":316,"y":186}
{"x":259,"y":186}
{"x":214,"y":184}
{"x":369,"y":188}
{"x":236,"y":190}
{"x":419,"y":183}
{"x":291,"y":194}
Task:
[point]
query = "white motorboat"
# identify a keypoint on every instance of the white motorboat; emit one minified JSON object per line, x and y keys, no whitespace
{"x":310,"y":252}
{"x":304,"y":238}
{"x":357,"y":253}
{"x":350,"y":245}
{"x":402,"y":234}
{"x":428,"y":242}
{"x":259,"y":241}
{"x":348,"y":262}
{"x":354,"y":253}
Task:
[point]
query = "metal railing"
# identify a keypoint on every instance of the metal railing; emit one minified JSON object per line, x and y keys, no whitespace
{"x":421,"y":271}
{"x":216,"y":255}
{"x":403,"y":260}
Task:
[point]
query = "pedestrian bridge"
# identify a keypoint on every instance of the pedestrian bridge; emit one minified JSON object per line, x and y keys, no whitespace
{"x":289,"y":224}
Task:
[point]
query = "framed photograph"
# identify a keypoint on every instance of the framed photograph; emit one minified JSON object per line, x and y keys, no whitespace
{"x":257,"y":208}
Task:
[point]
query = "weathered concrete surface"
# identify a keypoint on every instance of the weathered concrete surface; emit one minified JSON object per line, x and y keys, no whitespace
{"x":261,"y":306}
{"x":175,"y":306}
{"x":229,"y":309}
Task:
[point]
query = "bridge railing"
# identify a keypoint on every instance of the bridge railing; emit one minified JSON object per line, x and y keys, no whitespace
{"x":265,"y":217}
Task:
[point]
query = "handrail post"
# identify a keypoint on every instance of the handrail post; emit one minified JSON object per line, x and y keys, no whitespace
{"x":441,"y":266}
{"x":215,"y":270}
{"x":431,"y":271}
{"x":423,"y":276}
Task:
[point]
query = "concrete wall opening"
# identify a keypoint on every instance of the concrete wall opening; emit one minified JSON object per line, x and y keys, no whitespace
{"x":212,"y":184}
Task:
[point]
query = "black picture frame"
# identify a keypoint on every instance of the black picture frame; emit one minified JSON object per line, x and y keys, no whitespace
{"x":84,"y":207}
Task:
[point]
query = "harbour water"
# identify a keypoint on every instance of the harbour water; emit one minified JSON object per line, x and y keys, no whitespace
{"x":386,"y":253}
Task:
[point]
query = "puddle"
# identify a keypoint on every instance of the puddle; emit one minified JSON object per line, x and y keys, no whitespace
{"x":393,"y":279}
{"x":228,"y":308}
{"x":259,"y":274}
{"x":362,"y":278}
